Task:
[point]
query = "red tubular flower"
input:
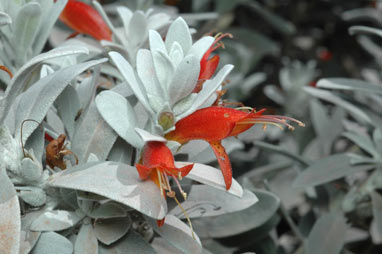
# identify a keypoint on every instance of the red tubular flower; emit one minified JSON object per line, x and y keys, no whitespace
{"x":214,"y":124}
{"x":158,"y":164}
{"x":208,"y":65}
{"x":83,"y":18}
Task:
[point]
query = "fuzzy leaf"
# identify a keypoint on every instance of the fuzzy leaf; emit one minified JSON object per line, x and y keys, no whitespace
{"x":121,"y":152}
{"x":118,"y":182}
{"x":23,"y":74}
{"x":108,"y":210}
{"x":68,"y":106}
{"x":148,"y":137}
{"x":376,"y":200}
{"x":146,"y":72}
{"x":328,"y":169}
{"x":185,"y":79}
{"x":34,"y":196}
{"x":93,"y":135}
{"x":26,"y":24}
{"x":119,"y":114}
{"x":49,"y":18}
{"x":37,"y":100}
{"x":86,"y":242}
{"x":363,"y":141}
{"x":179,"y":32}
{"x":5,"y":19}
{"x":211,"y":176}
{"x":137,"y":29}
{"x":55,"y":221}
{"x":156,"y":42}
{"x":241,"y":221}
{"x":109,"y":231}
{"x":327,"y":235}
{"x":52,"y":243}
{"x":178,"y":234}
{"x":328,"y":96}
{"x":9,"y":216}
{"x":349,"y":84}
{"x":199,"y":48}
{"x":36,"y":143}
{"x":131,"y":243}
{"x":209,"y":87}
{"x":128,"y":73}
{"x":10,"y":154}
{"x":204,"y":201}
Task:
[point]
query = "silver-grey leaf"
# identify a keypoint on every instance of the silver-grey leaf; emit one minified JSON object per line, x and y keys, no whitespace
{"x":26,"y":24}
{"x":92,"y":135}
{"x":327,"y":235}
{"x":23,"y":74}
{"x":86,"y":241}
{"x":5,"y":19}
{"x":204,"y":201}
{"x":9,"y":217}
{"x":241,"y":221}
{"x":37,"y":100}
{"x":68,"y":106}
{"x":328,"y":169}
{"x":111,"y":230}
{"x":118,"y":182}
{"x":131,"y":243}
{"x":52,"y":243}
{"x":108,"y":210}
{"x":119,"y":114}
{"x":55,"y":220}
{"x":349,"y":84}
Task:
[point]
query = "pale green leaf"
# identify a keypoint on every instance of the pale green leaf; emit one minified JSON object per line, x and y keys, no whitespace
{"x":328,"y":169}
{"x":86,"y":241}
{"x":111,"y":230}
{"x":239,"y":222}
{"x":327,"y":235}
{"x":118,"y":182}
{"x":349,"y":84}
{"x":52,"y":243}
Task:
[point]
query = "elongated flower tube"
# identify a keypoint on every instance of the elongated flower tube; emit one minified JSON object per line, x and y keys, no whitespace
{"x":214,"y":124}
{"x":83,"y":18}
{"x":158,"y":164}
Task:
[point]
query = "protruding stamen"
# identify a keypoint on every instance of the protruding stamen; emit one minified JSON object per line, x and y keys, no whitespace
{"x":167,"y":182}
{"x":290,"y":119}
{"x":171,"y":194}
{"x":184,"y":194}
{"x":160,"y":182}
{"x":187,"y":217}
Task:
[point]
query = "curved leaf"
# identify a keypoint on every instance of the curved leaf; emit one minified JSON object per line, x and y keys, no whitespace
{"x":204,"y":201}
{"x":86,"y":241}
{"x":116,"y":181}
{"x":36,"y":101}
{"x":349,"y":84}
{"x":92,"y":135}
{"x":19,"y":80}
{"x":328,"y":169}
{"x":178,"y":234}
{"x":52,"y":243}
{"x":119,"y":114}
{"x":239,"y":222}
{"x":109,"y":231}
